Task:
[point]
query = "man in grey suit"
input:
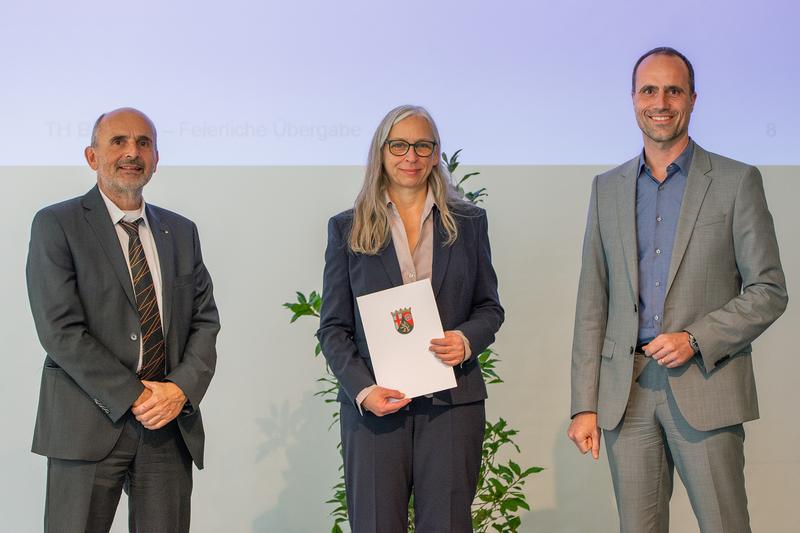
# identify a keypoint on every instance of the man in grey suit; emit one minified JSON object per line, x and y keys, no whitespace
{"x":123,"y":306}
{"x":680,"y":273}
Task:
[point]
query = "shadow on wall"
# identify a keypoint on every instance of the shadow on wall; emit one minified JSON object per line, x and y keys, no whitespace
{"x":311,"y":459}
{"x":584,"y":499}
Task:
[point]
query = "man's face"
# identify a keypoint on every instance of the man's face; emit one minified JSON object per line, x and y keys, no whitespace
{"x":124,"y":155}
{"x":662,"y":99}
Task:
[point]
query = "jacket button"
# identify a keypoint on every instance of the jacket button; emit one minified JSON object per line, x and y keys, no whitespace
{"x":134,"y":336}
{"x":631,"y":350}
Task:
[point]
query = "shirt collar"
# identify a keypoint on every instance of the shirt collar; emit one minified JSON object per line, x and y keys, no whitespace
{"x":430,"y":202}
{"x":118,"y":214}
{"x":683,"y":161}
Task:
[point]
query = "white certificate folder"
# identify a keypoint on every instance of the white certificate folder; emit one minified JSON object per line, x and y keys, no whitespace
{"x":399,"y":324}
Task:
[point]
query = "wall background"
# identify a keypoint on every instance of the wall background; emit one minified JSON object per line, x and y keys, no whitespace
{"x":305,"y":82}
{"x":270,"y":457}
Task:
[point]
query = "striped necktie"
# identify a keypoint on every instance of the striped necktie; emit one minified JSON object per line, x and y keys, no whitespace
{"x":153,"y":353}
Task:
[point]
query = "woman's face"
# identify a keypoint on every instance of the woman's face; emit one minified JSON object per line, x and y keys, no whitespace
{"x":410,"y":171}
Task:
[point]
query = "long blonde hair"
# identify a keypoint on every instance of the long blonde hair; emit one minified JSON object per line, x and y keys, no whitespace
{"x":371,"y":229}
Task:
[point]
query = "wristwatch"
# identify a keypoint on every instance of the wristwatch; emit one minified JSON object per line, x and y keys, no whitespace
{"x":693,"y":342}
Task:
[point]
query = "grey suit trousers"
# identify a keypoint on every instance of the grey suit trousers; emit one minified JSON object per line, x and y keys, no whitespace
{"x":153,"y":466}
{"x":652,"y":440}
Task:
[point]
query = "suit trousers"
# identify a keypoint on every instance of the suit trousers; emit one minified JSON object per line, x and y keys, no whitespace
{"x":434,"y":449}
{"x":153,"y":466}
{"x":652,"y":440}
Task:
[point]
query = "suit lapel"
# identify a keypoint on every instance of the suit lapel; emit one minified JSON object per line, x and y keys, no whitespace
{"x":97,"y":216}
{"x":441,"y":254}
{"x":697,"y":184}
{"x":441,"y":258}
{"x":163,"y":240}
{"x":390,"y":264}
{"x":626,"y":213}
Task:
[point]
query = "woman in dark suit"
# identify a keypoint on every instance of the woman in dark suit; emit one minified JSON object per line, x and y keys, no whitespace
{"x":408,"y":223}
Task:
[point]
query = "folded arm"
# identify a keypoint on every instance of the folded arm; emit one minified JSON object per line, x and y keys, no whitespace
{"x":763,"y":298}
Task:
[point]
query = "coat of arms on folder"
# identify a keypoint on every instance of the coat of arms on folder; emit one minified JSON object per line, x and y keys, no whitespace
{"x":403,"y":321}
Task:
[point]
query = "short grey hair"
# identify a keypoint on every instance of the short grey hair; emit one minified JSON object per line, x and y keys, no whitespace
{"x":99,"y":121}
{"x":95,"y":128}
{"x":663,"y":51}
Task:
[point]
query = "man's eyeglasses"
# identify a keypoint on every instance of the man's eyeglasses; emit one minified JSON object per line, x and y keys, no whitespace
{"x":421,"y":148}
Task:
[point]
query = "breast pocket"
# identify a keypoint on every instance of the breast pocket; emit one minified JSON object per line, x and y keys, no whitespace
{"x":183,"y":281}
{"x":710,"y":220}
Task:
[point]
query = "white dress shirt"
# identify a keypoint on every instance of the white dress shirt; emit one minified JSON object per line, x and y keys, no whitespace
{"x":148,"y":245}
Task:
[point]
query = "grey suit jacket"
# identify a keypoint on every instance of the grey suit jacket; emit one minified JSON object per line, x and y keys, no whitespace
{"x":725,"y":285}
{"x":85,"y":313}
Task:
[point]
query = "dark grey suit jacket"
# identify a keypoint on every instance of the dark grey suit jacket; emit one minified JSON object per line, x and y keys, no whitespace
{"x":725,"y":285}
{"x":85,"y":314}
{"x":464,"y":284}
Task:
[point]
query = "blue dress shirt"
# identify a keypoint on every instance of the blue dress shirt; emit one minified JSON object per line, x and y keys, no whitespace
{"x":658,"y":206}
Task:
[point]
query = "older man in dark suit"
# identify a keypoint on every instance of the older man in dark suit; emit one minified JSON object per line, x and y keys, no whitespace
{"x":123,"y":307}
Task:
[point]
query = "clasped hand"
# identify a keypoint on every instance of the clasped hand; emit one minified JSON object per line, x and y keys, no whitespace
{"x":450,"y":349}
{"x":159,"y":404}
{"x":670,"y":349}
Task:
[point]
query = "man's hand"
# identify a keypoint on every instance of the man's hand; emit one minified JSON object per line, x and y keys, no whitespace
{"x":378,"y":401}
{"x":450,"y":350}
{"x":585,"y":433}
{"x":670,"y":349}
{"x":146,"y":393}
{"x":162,"y":405}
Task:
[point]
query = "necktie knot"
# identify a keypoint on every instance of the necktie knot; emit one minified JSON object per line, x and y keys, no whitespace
{"x":131,"y":228}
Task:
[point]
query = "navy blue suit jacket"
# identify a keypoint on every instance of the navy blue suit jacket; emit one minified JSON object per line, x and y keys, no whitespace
{"x":464,"y":284}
